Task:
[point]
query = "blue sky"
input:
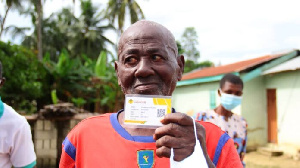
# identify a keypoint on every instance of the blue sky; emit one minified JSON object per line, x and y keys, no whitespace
{"x":228,"y":31}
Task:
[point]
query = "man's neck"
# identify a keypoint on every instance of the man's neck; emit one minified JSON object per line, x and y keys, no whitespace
{"x":223,"y":112}
{"x":134,"y":131}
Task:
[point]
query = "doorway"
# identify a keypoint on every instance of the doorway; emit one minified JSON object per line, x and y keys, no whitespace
{"x":272,"y":115}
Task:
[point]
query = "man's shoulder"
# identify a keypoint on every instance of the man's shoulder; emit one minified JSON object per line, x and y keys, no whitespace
{"x":92,"y":122}
{"x":211,"y":127}
{"x":213,"y":132}
{"x":12,"y":116}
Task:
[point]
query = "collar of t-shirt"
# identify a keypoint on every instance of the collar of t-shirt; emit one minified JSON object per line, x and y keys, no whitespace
{"x":1,"y":108}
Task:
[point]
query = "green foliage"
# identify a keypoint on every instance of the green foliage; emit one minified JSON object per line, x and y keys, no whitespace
{"x":180,"y":49}
{"x":54,"y":97}
{"x":69,"y":76}
{"x":24,"y":77}
{"x":189,"y":41}
{"x":191,"y":65}
{"x":100,"y":68}
{"x":79,"y":102}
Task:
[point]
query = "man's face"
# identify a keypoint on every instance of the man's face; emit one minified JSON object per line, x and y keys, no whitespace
{"x":230,"y":88}
{"x":146,"y":64}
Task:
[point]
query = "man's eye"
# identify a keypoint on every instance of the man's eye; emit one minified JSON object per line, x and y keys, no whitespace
{"x":130,"y":60}
{"x":157,"y":58}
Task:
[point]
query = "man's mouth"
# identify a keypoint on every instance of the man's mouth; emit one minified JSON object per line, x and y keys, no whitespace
{"x":146,"y":86}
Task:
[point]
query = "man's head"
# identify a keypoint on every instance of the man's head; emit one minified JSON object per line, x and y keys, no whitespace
{"x":2,"y":80}
{"x":231,"y":90}
{"x":232,"y":84}
{"x":148,"y":61}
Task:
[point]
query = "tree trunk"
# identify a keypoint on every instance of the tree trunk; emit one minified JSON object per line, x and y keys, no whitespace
{"x":2,"y":24}
{"x":39,"y":31}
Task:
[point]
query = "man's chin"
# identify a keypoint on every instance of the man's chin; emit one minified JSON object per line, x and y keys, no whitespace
{"x":146,"y":91}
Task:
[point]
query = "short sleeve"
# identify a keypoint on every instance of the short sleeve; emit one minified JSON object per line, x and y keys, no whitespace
{"x":229,"y":157}
{"x":22,"y":154}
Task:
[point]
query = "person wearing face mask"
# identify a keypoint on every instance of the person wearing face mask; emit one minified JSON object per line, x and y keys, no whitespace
{"x":230,"y":92}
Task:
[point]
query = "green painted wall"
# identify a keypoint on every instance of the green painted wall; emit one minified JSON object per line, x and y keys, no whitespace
{"x":287,"y":86}
{"x":253,"y":109}
{"x":193,"y":97}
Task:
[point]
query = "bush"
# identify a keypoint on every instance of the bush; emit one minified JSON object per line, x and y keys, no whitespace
{"x":24,"y":77}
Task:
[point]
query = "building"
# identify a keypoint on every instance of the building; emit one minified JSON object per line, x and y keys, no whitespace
{"x":271,"y":101}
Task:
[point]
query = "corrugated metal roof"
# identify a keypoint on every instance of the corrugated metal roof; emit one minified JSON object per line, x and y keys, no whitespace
{"x":229,"y":68}
{"x":290,"y":65}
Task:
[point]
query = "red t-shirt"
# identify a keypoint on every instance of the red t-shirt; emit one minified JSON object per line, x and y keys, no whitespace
{"x":102,"y":142}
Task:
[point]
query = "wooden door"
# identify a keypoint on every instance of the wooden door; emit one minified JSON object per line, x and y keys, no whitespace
{"x":272,"y":115}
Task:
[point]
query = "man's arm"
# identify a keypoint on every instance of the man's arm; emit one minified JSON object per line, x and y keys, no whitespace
{"x":68,"y":154}
{"x":229,"y":157}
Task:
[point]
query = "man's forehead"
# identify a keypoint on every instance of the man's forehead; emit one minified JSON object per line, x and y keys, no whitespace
{"x":147,"y":32}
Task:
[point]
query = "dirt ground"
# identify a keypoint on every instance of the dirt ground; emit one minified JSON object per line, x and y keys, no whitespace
{"x":258,"y":160}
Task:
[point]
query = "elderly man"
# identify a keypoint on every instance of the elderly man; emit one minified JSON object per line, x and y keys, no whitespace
{"x":148,"y":64}
{"x":16,"y":147}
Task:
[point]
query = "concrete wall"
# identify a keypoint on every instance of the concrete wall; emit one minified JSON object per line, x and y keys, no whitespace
{"x":48,"y":136}
{"x":287,"y":85}
{"x":254,"y":110}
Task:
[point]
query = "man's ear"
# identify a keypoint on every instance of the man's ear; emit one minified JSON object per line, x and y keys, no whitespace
{"x":117,"y":71}
{"x":219,"y":93}
{"x":180,"y":62}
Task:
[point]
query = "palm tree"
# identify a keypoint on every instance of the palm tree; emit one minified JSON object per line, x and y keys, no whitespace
{"x":79,"y":35}
{"x":10,"y":4}
{"x":88,"y":32}
{"x":39,"y":10}
{"x":116,"y":9}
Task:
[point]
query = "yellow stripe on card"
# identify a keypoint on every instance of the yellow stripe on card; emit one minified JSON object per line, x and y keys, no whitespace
{"x":135,"y":121}
{"x":163,"y":101}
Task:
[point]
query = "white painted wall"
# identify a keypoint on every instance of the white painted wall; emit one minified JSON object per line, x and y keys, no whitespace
{"x":287,"y":86}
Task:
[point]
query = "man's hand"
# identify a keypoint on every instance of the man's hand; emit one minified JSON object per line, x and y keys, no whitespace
{"x":178,"y":133}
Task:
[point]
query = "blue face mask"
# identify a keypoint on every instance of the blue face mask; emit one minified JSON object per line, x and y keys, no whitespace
{"x":229,"y":101}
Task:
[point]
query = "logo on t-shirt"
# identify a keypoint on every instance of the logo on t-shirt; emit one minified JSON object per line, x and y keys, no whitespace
{"x":145,"y":158}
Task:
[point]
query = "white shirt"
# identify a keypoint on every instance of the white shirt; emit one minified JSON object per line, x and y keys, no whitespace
{"x":16,"y":146}
{"x":235,"y":126}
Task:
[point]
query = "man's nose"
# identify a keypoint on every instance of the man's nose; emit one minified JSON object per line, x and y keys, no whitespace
{"x":144,"y":68}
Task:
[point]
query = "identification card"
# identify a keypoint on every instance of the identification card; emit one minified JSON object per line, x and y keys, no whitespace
{"x":146,"y":110}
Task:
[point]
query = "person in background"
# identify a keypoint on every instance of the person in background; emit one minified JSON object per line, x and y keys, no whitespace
{"x":16,"y":146}
{"x":230,"y":92}
{"x":148,"y":64}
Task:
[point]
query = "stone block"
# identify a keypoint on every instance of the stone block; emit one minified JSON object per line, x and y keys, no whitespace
{"x":48,"y":125}
{"x":47,"y":144}
{"x":53,"y":162}
{"x":50,"y":153}
{"x":73,"y":123}
{"x":38,"y":144}
{"x":46,"y":134}
{"x":39,"y":125}
{"x":53,"y":143}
